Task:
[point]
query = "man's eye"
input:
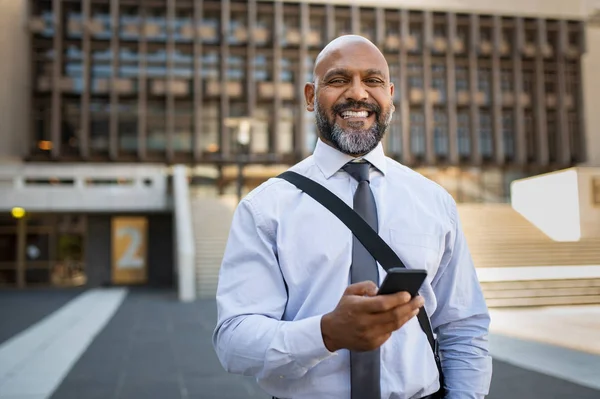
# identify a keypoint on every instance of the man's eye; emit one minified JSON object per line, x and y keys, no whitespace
{"x":337,"y":81}
{"x":374,"y":81}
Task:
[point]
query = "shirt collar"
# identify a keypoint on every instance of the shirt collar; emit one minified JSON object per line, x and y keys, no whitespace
{"x":329,"y":160}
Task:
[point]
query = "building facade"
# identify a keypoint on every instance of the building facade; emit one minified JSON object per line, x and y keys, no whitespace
{"x":479,"y":96}
{"x":486,"y":92}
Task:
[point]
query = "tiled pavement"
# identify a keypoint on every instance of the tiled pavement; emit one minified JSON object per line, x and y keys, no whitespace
{"x":156,"y":347}
{"x":20,"y":309}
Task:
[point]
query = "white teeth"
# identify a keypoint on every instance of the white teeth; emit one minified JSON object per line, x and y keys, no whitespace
{"x":350,"y":114}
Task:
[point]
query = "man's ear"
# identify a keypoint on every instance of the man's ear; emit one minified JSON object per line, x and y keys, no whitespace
{"x":309,"y":95}
{"x":392,"y":88}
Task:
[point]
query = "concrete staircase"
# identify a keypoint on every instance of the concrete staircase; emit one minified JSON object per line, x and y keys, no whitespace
{"x":571,"y":291}
{"x":501,"y":239}
{"x":498,"y":236}
{"x":212,"y":219}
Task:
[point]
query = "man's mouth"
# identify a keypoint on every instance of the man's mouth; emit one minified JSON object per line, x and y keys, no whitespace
{"x":355,"y":114}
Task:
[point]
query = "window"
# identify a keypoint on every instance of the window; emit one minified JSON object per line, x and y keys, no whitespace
{"x":462,"y":78}
{"x":415,"y":75}
{"x":530,"y":136}
{"x":508,"y":134}
{"x":184,"y":126}
{"x":416,"y":32}
{"x":484,"y":84}
{"x":238,"y":33}
{"x":440,"y":132}
{"x":209,"y":128}
{"x":485,"y":137}
{"x":438,"y":80}
{"x":464,"y":133}
{"x":551,"y":122}
{"x":506,"y":80}
{"x":574,"y":134}
{"x":417,"y":132}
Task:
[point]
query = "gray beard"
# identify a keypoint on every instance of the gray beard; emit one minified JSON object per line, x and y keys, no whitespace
{"x":353,"y":140}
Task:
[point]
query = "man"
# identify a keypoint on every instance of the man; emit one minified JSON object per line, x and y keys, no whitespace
{"x":290,"y":311}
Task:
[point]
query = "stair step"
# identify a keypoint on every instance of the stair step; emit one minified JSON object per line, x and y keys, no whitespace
{"x":540,"y":284}
{"x":541,"y":292}
{"x":544,"y":301}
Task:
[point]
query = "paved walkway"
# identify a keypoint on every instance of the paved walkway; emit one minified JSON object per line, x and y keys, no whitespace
{"x":155,"y":347}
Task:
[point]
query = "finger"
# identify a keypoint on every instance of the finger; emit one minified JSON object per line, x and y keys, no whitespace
{"x":363,"y":288}
{"x":398,"y":318}
{"x":385,"y":303}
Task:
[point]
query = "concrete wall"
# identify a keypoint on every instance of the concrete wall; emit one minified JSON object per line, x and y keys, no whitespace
{"x":85,"y":187}
{"x":549,"y":8}
{"x":14,"y":79}
{"x":590,"y":214}
{"x":160,"y":250}
{"x":591,"y":95}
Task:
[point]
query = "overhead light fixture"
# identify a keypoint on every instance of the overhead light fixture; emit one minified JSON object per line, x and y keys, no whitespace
{"x":17,"y":212}
{"x":45,"y":145}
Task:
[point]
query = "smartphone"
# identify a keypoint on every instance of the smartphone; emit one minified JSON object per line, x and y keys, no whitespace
{"x":401,"y":279}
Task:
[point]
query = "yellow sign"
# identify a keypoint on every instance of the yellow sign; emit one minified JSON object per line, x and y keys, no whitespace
{"x":18,"y":212}
{"x":129,"y":250}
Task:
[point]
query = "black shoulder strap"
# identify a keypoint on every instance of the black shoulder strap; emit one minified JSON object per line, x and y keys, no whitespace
{"x":378,"y":248}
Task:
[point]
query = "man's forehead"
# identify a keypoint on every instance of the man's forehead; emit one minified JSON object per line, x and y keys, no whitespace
{"x":357,"y":56}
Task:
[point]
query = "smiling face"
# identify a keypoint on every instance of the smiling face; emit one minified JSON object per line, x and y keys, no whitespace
{"x":352,"y":95}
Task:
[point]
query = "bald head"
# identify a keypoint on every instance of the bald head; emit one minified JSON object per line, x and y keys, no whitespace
{"x":351,"y":95}
{"x":344,"y":47}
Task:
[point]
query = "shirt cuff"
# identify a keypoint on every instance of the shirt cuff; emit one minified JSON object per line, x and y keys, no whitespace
{"x":304,"y":341}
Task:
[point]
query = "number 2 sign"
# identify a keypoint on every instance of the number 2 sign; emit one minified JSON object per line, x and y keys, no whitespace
{"x":129,"y":250}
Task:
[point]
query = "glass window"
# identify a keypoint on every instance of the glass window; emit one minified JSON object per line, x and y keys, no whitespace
{"x":128,"y":126}
{"x":209,"y":128}
{"x":415,"y":75}
{"x":285,"y":129}
{"x":462,"y":78}
{"x":238,"y":31}
{"x":157,"y":126}
{"x":551,"y":122}
{"x":99,"y":126}
{"x":530,"y":135}
{"x":291,"y":28}
{"x":508,"y":133}
{"x":71,"y":124}
{"x":264,"y":29}
{"x":464,"y":133}
{"x":263,"y":66}
{"x":130,"y":23}
{"x":438,"y":80}
{"x":416,"y":32}
{"x":417,"y":132}
{"x":484,"y":84}
{"x":506,"y":80}
{"x":440,"y":132}
{"x":209,"y":27}
{"x":485,"y":136}
{"x":184,"y":126}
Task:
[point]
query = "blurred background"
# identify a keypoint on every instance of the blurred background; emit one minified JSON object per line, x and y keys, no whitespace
{"x":129,"y":130}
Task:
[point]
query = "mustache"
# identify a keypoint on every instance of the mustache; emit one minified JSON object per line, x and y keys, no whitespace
{"x":353,"y":104}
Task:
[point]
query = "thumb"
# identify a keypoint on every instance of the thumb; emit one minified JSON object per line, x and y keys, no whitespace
{"x":363,"y":288}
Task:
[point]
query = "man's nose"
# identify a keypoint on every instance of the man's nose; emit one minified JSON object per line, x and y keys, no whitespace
{"x":357,"y":91}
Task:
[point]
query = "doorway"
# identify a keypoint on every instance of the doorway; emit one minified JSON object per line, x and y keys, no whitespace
{"x":43,"y":250}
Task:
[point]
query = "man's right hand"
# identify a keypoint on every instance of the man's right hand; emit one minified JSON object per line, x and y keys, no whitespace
{"x":363,"y":320}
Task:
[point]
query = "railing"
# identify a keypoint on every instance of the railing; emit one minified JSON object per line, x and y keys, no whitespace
{"x":185,"y":252}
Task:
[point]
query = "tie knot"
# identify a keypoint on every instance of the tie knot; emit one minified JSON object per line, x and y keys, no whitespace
{"x":358,"y":170}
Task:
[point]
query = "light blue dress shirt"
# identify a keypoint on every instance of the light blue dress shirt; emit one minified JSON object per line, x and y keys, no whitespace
{"x":287,"y":262}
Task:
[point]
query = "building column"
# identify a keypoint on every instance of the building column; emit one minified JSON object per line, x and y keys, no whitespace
{"x":591,"y":92}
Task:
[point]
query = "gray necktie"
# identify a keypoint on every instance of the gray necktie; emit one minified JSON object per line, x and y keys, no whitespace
{"x":364,"y":366}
